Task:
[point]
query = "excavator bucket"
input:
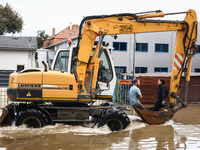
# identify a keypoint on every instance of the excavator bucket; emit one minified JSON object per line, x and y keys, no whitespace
{"x":4,"y":114}
{"x":7,"y":115}
{"x":154,"y":117}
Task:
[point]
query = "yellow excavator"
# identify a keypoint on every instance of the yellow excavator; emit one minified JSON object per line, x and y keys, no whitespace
{"x":67,"y":94}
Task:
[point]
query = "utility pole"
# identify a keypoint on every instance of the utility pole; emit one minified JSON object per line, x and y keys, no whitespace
{"x":134,"y":50}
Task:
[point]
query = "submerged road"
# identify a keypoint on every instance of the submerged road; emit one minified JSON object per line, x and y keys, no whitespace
{"x":182,"y":132}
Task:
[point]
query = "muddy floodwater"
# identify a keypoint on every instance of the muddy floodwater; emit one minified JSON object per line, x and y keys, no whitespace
{"x":182,"y":132}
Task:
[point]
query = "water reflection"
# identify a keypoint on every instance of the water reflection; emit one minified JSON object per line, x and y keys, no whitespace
{"x":153,"y":137}
{"x":70,"y":140}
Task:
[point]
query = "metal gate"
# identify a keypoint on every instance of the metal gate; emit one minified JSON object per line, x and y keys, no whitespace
{"x":121,"y":93}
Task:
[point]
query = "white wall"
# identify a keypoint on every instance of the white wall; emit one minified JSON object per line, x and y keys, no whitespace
{"x":42,"y":56}
{"x":122,"y":58}
{"x":148,"y":59}
{"x":151,"y":58}
{"x":10,"y":59}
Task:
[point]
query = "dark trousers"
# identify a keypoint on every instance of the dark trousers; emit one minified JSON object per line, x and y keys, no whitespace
{"x":157,"y":105}
{"x":139,"y":106}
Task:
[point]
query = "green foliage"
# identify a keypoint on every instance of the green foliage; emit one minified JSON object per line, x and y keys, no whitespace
{"x":10,"y":20}
{"x":42,"y":36}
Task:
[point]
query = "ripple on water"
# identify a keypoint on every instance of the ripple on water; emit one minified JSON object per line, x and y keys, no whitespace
{"x":23,"y":131}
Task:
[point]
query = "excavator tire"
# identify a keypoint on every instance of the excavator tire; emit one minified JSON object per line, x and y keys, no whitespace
{"x":32,"y":118}
{"x":115,"y":119}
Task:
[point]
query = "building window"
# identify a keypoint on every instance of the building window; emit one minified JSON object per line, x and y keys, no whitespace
{"x":103,"y":43}
{"x":141,"y":70}
{"x":141,"y":47}
{"x":160,"y":69}
{"x":120,"y":69}
{"x":20,"y":67}
{"x":163,"y":48}
{"x":196,"y":69}
{"x":198,"y":50}
{"x":120,"y":46}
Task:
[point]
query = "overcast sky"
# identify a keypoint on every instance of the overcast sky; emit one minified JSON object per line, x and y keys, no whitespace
{"x":48,"y":14}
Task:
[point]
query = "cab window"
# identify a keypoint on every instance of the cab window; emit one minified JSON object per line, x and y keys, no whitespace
{"x":62,"y":61}
{"x":105,"y":73}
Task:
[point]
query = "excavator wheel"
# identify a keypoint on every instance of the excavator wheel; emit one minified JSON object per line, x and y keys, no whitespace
{"x":115,"y":119}
{"x":32,"y":118}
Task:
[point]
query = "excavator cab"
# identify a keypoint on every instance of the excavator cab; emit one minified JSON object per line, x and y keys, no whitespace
{"x":106,"y":79}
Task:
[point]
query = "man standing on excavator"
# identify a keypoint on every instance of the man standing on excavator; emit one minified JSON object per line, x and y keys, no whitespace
{"x":135,"y":95}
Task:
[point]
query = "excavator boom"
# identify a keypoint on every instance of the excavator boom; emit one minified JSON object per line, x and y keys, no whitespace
{"x":133,"y":23}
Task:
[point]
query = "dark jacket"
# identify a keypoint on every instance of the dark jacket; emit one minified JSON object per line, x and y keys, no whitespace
{"x":161,"y":92}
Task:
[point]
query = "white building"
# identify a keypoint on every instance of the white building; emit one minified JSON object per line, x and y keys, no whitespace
{"x":16,"y":53}
{"x":154,"y":52}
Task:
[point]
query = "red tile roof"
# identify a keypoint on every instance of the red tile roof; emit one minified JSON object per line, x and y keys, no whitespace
{"x":65,"y":34}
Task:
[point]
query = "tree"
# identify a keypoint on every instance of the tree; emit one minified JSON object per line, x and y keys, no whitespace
{"x":10,"y":20}
{"x":42,"y":36}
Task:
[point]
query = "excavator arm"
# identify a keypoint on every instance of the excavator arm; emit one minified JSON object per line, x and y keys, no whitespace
{"x":136,"y":23}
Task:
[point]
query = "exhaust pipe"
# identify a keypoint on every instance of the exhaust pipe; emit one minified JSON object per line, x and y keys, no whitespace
{"x":45,"y":66}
